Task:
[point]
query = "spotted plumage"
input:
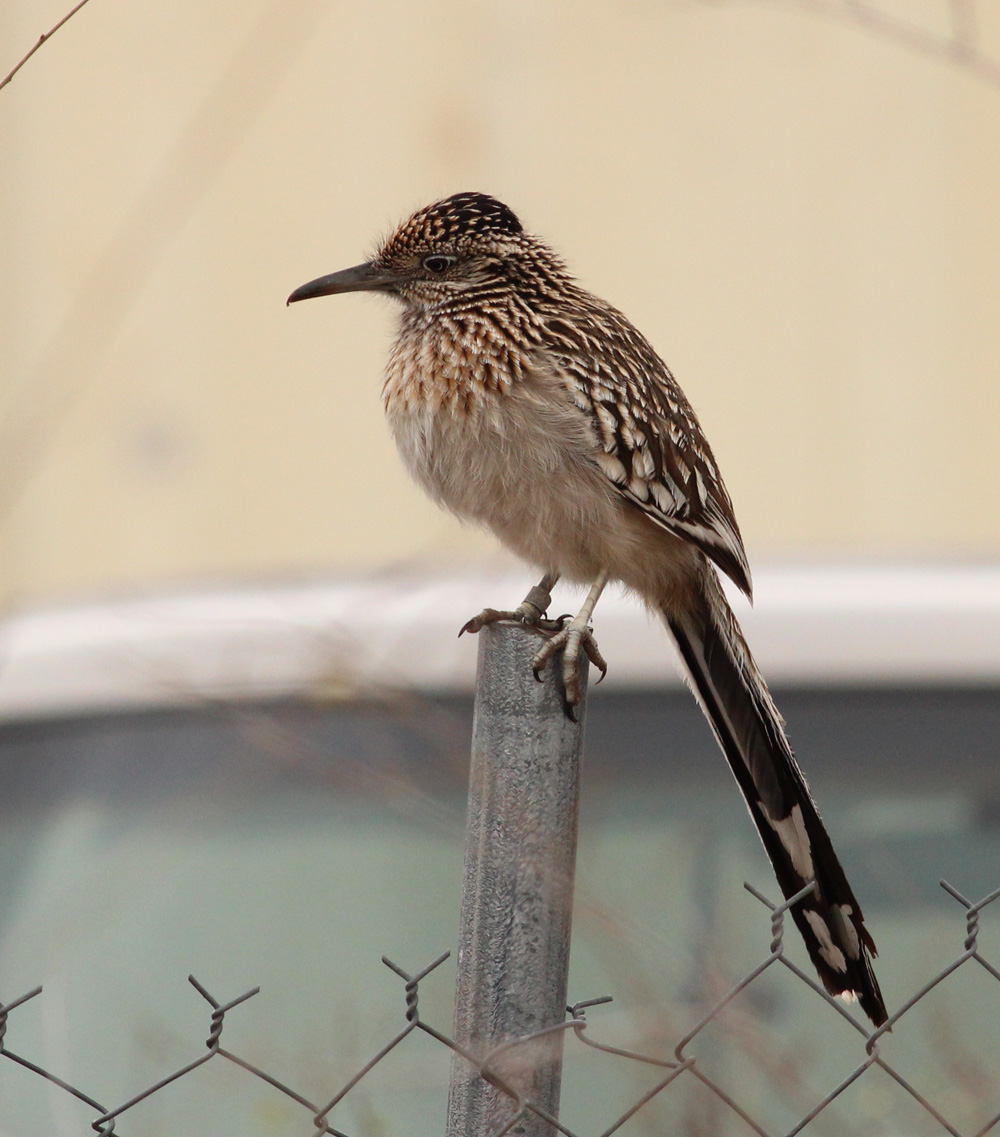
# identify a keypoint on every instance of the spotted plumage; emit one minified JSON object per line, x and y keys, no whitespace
{"x":522,"y":402}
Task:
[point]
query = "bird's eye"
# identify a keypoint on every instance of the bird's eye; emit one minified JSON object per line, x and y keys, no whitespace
{"x":438,"y":262}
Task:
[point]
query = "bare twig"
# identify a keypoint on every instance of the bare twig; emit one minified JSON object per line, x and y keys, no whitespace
{"x":39,"y":400}
{"x":41,"y":39}
{"x":958,"y":46}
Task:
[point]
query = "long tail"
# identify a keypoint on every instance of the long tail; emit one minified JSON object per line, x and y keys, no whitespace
{"x":750,"y":731}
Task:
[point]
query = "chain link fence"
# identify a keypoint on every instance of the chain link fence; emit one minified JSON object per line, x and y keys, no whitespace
{"x":669,"y":1071}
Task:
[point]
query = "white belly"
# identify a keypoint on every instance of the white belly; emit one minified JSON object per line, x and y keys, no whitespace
{"x":515,"y":466}
{"x":523,"y":464}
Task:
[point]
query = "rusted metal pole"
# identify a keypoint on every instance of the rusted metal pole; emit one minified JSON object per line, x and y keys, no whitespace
{"x":517,"y":898}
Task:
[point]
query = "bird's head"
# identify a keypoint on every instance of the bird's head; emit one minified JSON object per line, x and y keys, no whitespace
{"x":467,"y":243}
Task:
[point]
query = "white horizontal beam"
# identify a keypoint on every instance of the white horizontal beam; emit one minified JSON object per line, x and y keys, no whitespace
{"x":812,"y":625}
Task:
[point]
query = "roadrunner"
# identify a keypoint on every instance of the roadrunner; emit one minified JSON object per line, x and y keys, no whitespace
{"x":522,"y":402}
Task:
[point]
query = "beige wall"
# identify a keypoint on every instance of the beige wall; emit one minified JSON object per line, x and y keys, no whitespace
{"x":801,"y":214}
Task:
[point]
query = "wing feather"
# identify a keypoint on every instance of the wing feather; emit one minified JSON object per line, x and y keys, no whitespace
{"x":650,"y":444}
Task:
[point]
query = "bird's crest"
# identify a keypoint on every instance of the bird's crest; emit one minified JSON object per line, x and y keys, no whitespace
{"x":452,"y":220}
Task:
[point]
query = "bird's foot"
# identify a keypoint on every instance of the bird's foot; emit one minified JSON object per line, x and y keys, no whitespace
{"x":572,"y":636}
{"x":518,"y":616}
{"x":530,"y":612}
{"x":576,"y":639}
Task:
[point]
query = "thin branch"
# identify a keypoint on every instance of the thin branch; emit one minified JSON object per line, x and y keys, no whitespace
{"x":959,"y":46}
{"x":964,"y":25}
{"x":51,"y":32}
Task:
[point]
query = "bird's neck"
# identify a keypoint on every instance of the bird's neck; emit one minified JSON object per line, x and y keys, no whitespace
{"x":455,"y":356}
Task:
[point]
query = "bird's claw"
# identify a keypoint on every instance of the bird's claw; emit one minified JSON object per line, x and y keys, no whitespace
{"x":520,"y":616}
{"x":487,"y":616}
{"x":572,"y":638}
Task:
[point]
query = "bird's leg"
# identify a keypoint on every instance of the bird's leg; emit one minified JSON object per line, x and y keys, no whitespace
{"x":530,"y":611}
{"x":573,"y":637}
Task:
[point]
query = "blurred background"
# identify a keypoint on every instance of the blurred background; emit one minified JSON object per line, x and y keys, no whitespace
{"x":233,"y":721}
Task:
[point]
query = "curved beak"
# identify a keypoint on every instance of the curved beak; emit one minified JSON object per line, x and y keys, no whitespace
{"x":356,"y":279}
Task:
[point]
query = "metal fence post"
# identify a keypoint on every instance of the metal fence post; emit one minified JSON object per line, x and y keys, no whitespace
{"x":517,"y":896}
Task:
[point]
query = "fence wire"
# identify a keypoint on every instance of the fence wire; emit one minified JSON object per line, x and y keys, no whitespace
{"x":670,"y":1071}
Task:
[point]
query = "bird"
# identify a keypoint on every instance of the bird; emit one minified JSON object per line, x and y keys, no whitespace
{"x":522,"y":402}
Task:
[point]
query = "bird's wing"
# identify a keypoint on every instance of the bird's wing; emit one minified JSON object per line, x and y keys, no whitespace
{"x":650,"y":444}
